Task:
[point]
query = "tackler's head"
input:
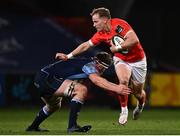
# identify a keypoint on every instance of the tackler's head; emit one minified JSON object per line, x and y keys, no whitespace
{"x":104,"y":59}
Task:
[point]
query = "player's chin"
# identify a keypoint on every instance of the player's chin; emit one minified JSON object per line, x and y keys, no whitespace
{"x":98,"y":29}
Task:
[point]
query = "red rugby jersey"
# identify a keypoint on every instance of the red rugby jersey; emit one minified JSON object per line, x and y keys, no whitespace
{"x":135,"y":53}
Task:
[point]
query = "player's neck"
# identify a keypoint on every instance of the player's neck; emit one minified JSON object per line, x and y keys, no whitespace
{"x":108,"y":27}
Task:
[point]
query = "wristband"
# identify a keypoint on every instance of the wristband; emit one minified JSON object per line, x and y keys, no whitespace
{"x":70,"y":55}
{"x":118,"y":47}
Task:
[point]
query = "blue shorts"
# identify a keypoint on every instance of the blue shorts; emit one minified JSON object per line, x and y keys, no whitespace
{"x":46,"y":84}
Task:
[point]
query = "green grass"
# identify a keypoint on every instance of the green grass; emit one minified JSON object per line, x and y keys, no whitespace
{"x":103,"y":121}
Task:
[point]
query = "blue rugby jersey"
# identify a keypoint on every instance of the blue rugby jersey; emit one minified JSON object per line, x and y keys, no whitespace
{"x":71,"y":69}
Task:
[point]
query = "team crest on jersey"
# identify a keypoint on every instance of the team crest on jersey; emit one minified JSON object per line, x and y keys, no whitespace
{"x":119,"y":29}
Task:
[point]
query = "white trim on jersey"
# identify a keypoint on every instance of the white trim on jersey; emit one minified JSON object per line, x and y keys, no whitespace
{"x":90,"y":43}
{"x":128,"y":33}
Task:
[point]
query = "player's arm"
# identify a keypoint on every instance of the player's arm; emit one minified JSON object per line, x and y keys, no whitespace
{"x":105,"y":84}
{"x":130,"y":40}
{"x":80,"y":49}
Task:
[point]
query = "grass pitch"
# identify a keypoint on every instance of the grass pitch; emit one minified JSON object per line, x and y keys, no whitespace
{"x":103,"y":121}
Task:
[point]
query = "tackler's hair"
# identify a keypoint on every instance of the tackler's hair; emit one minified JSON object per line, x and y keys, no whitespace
{"x":104,"y":58}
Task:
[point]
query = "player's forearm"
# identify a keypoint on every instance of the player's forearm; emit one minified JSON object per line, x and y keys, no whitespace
{"x":80,"y":49}
{"x":103,"y":83}
{"x":108,"y":85}
{"x":131,"y":40}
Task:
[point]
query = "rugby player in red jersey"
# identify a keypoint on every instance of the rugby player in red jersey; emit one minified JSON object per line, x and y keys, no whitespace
{"x":129,"y":57}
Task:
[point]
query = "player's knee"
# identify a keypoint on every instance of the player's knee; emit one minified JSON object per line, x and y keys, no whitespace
{"x":81,"y":92}
{"x":124,"y":81}
{"x":139,"y":93}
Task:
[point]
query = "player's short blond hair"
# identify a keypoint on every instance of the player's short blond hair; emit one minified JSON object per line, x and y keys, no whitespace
{"x":103,"y":12}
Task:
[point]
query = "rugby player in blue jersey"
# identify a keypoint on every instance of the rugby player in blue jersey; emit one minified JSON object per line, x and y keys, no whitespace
{"x":68,"y":79}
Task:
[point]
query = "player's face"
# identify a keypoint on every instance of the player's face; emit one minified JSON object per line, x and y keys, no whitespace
{"x":100,"y":66}
{"x":99,"y":22}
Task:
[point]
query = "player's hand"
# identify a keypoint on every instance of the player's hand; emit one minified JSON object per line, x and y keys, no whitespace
{"x":113,"y":49}
{"x":61,"y":56}
{"x":123,"y":90}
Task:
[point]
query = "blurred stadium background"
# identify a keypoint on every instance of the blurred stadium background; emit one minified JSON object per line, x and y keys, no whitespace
{"x":32,"y":31}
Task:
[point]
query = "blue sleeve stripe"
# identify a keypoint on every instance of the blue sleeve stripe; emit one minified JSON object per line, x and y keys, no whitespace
{"x":78,"y":76}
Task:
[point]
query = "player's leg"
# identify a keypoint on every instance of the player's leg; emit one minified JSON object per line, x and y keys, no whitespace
{"x":123,"y":72}
{"x":51,"y":97}
{"x":123,"y":116}
{"x":51,"y":105}
{"x":78,"y":92}
{"x":40,"y":83}
{"x":79,"y":95}
{"x":139,"y":70}
{"x":140,"y":94}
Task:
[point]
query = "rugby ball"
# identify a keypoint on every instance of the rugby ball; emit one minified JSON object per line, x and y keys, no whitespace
{"x":117,"y":41}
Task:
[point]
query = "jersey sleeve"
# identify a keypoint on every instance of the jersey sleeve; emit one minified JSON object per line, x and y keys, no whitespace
{"x":90,"y":68}
{"x":95,"y":40}
{"x":126,"y":28}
